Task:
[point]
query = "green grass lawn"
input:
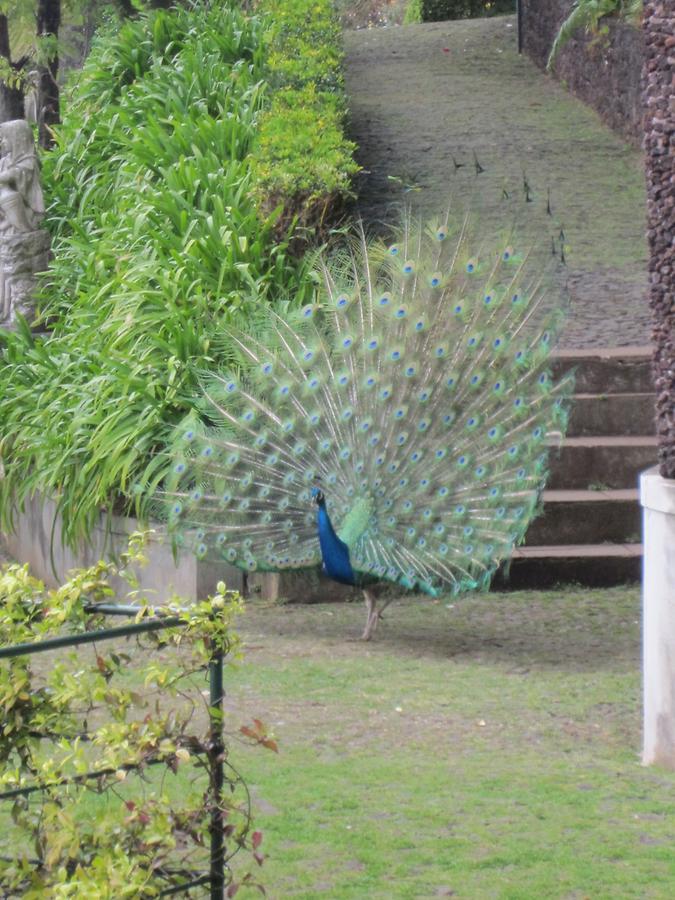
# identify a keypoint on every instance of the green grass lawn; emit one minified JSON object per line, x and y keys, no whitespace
{"x":481,"y":747}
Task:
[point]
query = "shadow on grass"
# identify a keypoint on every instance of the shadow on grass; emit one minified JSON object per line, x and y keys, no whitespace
{"x":574,"y":629}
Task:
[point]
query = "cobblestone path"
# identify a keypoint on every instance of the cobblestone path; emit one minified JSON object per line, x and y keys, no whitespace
{"x":422,"y":95}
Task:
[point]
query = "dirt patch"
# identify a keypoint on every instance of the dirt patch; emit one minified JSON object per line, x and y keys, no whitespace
{"x":576,"y":629}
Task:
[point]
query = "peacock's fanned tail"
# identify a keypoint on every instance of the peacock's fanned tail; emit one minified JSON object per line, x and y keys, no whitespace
{"x":416,"y":392}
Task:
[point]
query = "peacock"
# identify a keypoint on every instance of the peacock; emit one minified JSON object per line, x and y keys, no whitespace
{"x":395,"y":429}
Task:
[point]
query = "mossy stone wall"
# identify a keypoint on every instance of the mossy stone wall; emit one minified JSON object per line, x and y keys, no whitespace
{"x":602,"y":70}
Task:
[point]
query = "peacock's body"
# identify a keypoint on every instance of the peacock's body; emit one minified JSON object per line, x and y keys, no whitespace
{"x":408,"y":408}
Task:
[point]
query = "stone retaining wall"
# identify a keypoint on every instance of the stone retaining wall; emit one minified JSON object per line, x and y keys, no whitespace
{"x":605,"y":72}
{"x":37,"y":540}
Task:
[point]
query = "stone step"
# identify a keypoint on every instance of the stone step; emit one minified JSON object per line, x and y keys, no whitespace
{"x":587,"y":517}
{"x":600,"y":462}
{"x":611,"y":414}
{"x":614,"y":370}
{"x":591,"y":565}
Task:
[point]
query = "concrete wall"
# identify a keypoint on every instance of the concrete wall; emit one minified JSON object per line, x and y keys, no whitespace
{"x":604,"y":73}
{"x":37,"y":541}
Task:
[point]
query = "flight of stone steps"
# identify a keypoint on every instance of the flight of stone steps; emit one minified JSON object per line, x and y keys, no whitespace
{"x":590,"y":530}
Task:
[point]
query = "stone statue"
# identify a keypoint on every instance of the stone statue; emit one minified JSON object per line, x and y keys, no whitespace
{"x":24,"y":245}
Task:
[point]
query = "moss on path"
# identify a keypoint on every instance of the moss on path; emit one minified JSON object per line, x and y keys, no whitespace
{"x":423,"y":94}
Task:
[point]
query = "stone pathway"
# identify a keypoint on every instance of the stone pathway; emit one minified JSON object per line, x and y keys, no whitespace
{"x":423,"y":94}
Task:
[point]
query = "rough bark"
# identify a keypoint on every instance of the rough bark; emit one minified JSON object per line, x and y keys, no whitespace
{"x":126,"y":8}
{"x":659,"y":144}
{"x":48,"y":22}
{"x":11,"y":98}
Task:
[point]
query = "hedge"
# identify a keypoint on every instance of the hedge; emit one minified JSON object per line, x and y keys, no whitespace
{"x":440,"y":10}
{"x":303,"y":163}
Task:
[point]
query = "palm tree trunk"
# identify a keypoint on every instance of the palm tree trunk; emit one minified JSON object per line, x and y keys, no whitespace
{"x":11,"y":98}
{"x":48,"y":22}
{"x":658,"y":94}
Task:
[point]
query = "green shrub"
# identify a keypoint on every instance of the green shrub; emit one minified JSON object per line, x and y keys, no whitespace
{"x":303,"y":44}
{"x":303,"y":163}
{"x":439,"y":10}
{"x":162,"y":241}
{"x":413,"y":13}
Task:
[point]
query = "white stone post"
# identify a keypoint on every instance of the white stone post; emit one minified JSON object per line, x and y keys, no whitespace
{"x":657,"y":496}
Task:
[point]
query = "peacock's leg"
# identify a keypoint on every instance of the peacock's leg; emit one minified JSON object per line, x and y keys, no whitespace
{"x":372,"y":615}
{"x":383,"y":607}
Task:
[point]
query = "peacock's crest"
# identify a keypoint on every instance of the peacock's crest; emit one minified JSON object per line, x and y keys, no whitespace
{"x":415,"y":392}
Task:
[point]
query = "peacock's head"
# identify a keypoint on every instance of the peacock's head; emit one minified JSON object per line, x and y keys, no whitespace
{"x":318,"y":496}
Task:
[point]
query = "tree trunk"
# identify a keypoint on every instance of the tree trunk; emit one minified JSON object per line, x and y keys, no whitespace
{"x":126,"y":9}
{"x":658,"y":93}
{"x":48,"y":21}
{"x":11,"y":98}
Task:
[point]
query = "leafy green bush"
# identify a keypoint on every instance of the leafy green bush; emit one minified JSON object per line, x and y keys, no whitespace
{"x":440,"y":10}
{"x":587,"y":14}
{"x":115,"y":761}
{"x":165,"y":234}
{"x":413,"y":13}
{"x":303,"y":44}
{"x":303,"y":163}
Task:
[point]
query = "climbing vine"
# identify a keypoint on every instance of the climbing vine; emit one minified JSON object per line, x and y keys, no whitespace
{"x":106,"y":756}
{"x":589,"y":15}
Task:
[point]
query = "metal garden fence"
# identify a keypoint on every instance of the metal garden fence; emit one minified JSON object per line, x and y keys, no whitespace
{"x":215,"y":878}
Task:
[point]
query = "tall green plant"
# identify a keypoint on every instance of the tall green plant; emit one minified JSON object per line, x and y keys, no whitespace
{"x":169,"y":190}
{"x":587,"y":15}
{"x":158,"y":248}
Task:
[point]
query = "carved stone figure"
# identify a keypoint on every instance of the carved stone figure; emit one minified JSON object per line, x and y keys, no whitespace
{"x":24,"y":245}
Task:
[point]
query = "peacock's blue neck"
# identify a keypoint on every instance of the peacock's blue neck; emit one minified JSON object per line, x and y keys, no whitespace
{"x":334,"y":552}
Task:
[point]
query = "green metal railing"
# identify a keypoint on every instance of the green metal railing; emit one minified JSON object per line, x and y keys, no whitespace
{"x":215,"y":879}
